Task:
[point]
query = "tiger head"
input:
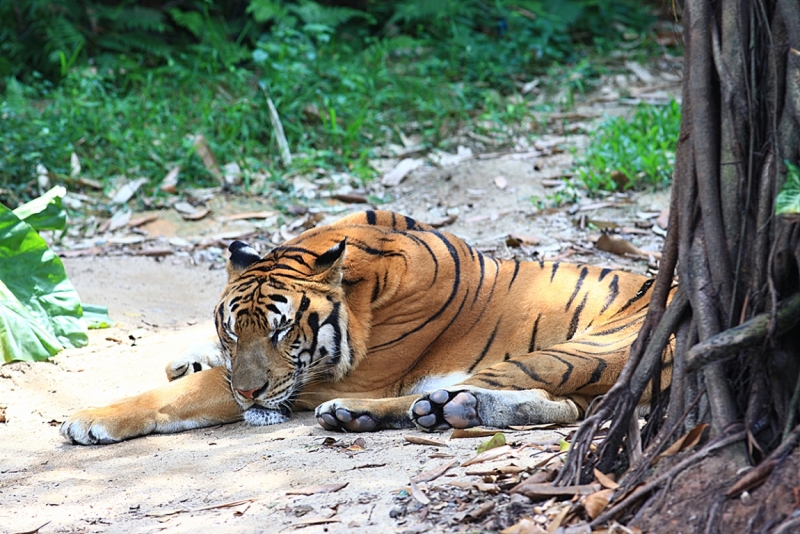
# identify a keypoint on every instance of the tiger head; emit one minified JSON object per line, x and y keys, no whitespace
{"x":282,"y":323}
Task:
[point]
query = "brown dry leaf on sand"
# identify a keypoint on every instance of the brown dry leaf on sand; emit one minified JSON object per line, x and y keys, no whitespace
{"x":419,"y":440}
{"x":525,"y":526}
{"x":621,"y":247}
{"x":491,"y":454}
{"x":685,"y":442}
{"x":459,"y":433}
{"x":605,"y":480}
{"x":597,"y":502}
{"x":433,"y":474}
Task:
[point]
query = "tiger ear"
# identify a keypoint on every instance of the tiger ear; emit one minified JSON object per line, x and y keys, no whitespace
{"x":329,"y":264}
{"x":242,"y":257}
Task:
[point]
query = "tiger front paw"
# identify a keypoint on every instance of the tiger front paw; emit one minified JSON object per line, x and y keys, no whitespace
{"x":198,"y":357}
{"x":99,"y":427}
{"x":332,"y":415}
{"x":442,"y":409}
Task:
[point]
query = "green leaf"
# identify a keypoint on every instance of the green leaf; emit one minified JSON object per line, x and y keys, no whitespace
{"x":563,"y":445}
{"x":95,"y":317}
{"x":36,"y":277}
{"x":45,"y":212}
{"x":788,"y":201}
{"x":22,"y":337}
{"x":498,"y":440}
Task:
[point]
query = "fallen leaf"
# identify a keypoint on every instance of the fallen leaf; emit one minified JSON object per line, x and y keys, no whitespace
{"x":622,"y":247}
{"x":127,"y":190}
{"x":538,"y":491}
{"x":401,"y":170}
{"x":249,"y":215}
{"x":316,"y":520}
{"x":534,"y":427}
{"x":525,"y":526}
{"x":605,"y":480}
{"x":119,"y":219}
{"x":500,"y":182}
{"x":444,"y":221}
{"x":169,"y":184}
{"x":559,"y":520}
{"x":597,"y":502}
{"x":74,"y":166}
{"x":518,"y":240}
{"x":232,"y":174}
{"x":418,"y":494}
{"x":685,"y":442}
{"x":418,"y":440}
{"x":480,"y":486}
{"x":753,"y":478}
{"x":317,"y":489}
{"x":502,"y":470}
{"x":433,"y":474}
{"x":88,"y":182}
{"x":477,"y":512}
{"x":498,"y":440}
{"x":144,"y":219}
{"x":663,"y":219}
{"x":459,"y":433}
{"x":351,"y":198}
{"x":209,"y":161}
{"x":492,"y":454}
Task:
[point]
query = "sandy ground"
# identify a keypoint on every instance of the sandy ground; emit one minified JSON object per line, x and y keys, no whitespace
{"x":237,"y":478}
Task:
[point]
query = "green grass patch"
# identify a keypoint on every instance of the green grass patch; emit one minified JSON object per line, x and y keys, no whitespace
{"x":634,"y":153}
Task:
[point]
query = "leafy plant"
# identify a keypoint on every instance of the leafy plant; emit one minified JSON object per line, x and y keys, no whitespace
{"x":632,"y":154}
{"x":788,"y":200}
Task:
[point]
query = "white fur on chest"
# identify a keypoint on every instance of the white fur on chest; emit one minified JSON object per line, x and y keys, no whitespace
{"x":432,"y":383}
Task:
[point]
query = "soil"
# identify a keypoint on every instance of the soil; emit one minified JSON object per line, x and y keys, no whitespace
{"x":236,"y":478}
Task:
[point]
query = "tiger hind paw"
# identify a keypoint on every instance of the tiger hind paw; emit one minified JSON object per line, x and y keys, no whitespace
{"x":442,"y":409}
{"x":331,"y":416}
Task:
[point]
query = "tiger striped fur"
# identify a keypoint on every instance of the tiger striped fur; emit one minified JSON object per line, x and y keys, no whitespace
{"x":379,"y":321}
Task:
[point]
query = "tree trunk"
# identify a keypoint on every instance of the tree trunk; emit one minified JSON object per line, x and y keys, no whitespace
{"x":734,"y":317}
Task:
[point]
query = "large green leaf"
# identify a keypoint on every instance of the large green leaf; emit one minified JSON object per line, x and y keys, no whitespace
{"x":35,"y":275}
{"x":22,"y":337}
{"x":45,"y":212}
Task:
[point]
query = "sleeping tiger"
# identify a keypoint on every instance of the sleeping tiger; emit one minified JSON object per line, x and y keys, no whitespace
{"x":379,"y":321}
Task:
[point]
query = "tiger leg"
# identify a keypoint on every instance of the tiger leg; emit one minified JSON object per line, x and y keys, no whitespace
{"x":365,"y":415}
{"x":202,"y":399}
{"x":464,"y":406}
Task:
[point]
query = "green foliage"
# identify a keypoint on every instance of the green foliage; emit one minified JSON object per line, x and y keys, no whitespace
{"x":632,"y":153}
{"x":788,"y":201}
{"x":125,"y":85}
{"x":40,"y":312}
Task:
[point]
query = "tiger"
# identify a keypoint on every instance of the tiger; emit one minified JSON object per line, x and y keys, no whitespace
{"x":379,"y":321}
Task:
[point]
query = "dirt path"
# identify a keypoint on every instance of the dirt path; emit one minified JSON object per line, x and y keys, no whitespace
{"x":237,"y":478}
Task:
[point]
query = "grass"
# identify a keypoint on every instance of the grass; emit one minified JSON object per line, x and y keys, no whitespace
{"x":341,"y":90}
{"x":632,"y":153}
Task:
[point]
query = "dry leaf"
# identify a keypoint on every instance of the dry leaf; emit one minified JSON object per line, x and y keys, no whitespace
{"x":500,"y":182}
{"x":249,"y":215}
{"x":525,"y":526}
{"x":492,"y":454}
{"x":477,"y":512}
{"x":472,"y":433}
{"x":753,"y":478}
{"x":319,"y":488}
{"x":418,"y":440}
{"x":444,"y":221}
{"x":197,"y":215}
{"x":433,"y":474}
{"x":534,"y":427}
{"x":401,"y":170}
{"x":127,"y":190}
{"x":621,"y":247}
{"x":538,"y":491}
{"x":351,"y":198}
{"x":209,"y":161}
{"x":316,"y":520}
{"x":144,"y":219}
{"x":418,"y":494}
{"x":685,"y":442}
{"x":605,"y":480}
{"x":502,"y":470}
{"x":118,"y":220}
{"x":74,"y":166}
{"x":559,"y":520}
{"x":170,"y":182}
{"x":597,"y":502}
{"x":663,"y":219}
{"x":518,"y":240}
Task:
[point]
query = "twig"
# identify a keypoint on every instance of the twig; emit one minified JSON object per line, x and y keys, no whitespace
{"x":657,"y":481}
{"x":34,"y":531}
{"x":749,"y":334}
{"x":277,"y":127}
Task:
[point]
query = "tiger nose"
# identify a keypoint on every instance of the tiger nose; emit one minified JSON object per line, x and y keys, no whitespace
{"x":249,"y":393}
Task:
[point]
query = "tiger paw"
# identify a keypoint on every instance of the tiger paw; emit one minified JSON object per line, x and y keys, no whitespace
{"x":195,"y":358}
{"x":442,"y":409}
{"x":332,"y":416}
{"x":96,"y":427}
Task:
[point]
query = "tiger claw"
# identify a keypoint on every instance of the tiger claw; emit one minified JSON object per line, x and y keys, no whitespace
{"x":442,"y":409}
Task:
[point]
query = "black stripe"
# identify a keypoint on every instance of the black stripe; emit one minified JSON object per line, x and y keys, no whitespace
{"x":278,"y":298}
{"x":578,"y":285}
{"x":427,"y":247}
{"x":531,"y":374}
{"x":455,"y":284}
{"x":371,"y":218}
{"x":496,"y":384}
{"x":480,"y":280}
{"x":485,"y":350}
{"x":597,"y":374}
{"x":639,"y":294}
{"x":613,"y":291}
{"x":514,"y":276}
{"x":617,"y":328}
{"x":567,"y":373}
{"x":553,"y":273}
{"x":576,"y":317}
{"x":394,"y":220}
{"x":376,"y":289}
{"x":532,"y":345}
{"x":603,"y":274}
{"x":410,"y":223}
